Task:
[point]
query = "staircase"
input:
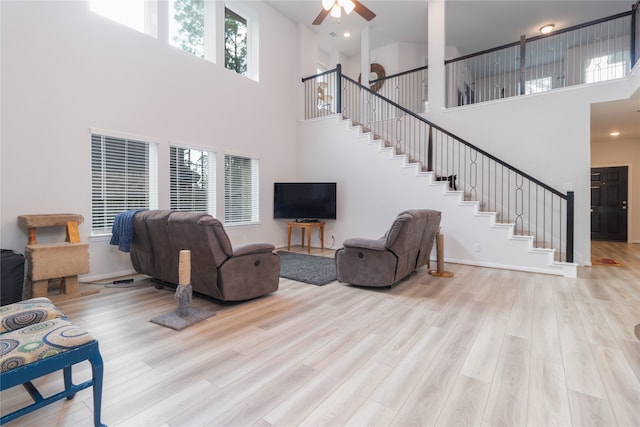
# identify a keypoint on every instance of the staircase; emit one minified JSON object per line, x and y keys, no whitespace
{"x":376,"y":182}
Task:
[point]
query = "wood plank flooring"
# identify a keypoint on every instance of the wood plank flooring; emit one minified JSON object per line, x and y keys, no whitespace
{"x":485,"y":348}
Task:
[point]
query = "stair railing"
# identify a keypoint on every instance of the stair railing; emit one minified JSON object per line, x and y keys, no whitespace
{"x":533,"y":207}
{"x":408,"y":88}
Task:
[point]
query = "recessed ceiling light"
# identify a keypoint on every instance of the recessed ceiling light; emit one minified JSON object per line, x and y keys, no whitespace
{"x":546,"y":29}
{"x":614,"y":133}
{"x":347,"y":35}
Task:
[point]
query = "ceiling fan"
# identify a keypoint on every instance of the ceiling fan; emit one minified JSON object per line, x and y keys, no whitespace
{"x":335,"y":8}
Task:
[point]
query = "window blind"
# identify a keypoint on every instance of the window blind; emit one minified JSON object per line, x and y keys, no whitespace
{"x":192,"y":180}
{"x":123,"y":177}
{"x":241,"y":190}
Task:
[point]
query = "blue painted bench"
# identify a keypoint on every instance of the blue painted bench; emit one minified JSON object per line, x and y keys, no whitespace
{"x":36,"y":339}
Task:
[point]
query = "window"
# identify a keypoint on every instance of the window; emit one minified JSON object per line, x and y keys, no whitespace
{"x":235,"y":42}
{"x":604,"y":68}
{"x":123,"y":177}
{"x":137,"y":14}
{"x":187,"y":26}
{"x":192,"y":28}
{"x":192,"y":176}
{"x":538,"y":85}
{"x":240,"y":190}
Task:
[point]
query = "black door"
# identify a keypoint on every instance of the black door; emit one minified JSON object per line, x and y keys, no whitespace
{"x":609,"y":203}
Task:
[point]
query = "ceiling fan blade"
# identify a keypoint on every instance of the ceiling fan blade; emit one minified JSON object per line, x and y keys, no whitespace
{"x":323,"y":14}
{"x":363,"y":11}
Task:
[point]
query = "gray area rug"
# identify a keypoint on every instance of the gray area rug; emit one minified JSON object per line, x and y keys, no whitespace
{"x":312,"y":269}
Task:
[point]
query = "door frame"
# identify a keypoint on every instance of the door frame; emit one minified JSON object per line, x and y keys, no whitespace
{"x":629,"y":193}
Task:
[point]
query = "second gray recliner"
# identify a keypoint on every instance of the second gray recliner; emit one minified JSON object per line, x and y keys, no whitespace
{"x":385,"y":261}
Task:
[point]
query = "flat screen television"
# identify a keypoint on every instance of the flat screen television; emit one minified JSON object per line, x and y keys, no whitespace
{"x":304,"y":201}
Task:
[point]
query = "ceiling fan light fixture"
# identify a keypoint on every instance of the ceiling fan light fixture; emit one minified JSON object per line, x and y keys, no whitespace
{"x":336,"y":11}
{"x":348,"y":5}
{"x":327,"y":4}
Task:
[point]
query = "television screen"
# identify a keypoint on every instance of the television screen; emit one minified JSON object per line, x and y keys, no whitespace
{"x":304,"y":201}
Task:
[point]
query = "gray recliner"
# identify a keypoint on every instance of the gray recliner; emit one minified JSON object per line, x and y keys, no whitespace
{"x":385,"y":261}
{"x":217,"y":269}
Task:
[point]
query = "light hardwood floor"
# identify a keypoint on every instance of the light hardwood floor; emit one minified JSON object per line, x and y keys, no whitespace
{"x":484,"y":348}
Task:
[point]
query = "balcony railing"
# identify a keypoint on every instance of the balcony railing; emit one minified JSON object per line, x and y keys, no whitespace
{"x":534,"y":208}
{"x":599,"y":50}
{"x":596,"y":51}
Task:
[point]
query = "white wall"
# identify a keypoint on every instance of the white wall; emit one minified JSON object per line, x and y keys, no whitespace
{"x":65,"y":69}
{"x":394,"y":57}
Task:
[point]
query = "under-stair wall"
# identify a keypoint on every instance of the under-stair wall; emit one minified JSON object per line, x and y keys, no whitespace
{"x":374,"y":184}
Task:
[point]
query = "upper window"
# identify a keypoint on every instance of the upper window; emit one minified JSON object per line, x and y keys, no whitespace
{"x":192,"y":28}
{"x":241,"y":190}
{"x":123,"y":177}
{"x":187,"y":26}
{"x":137,"y":14}
{"x":192,"y":176}
{"x":604,"y":68}
{"x":235,"y":42}
{"x":542,"y":84}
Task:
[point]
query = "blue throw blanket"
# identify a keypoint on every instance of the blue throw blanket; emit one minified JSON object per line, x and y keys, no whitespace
{"x":122,"y":230}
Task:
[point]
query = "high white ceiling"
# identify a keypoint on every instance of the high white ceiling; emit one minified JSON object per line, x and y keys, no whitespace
{"x":471,"y":26}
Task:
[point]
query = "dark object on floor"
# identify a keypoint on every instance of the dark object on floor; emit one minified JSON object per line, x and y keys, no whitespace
{"x":218,"y":269}
{"x":315,"y":270}
{"x":12,"y":280}
{"x":385,"y":261}
{"x":451,"y":179}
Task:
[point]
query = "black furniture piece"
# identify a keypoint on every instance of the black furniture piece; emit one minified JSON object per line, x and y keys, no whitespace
{"x":12,"y":277}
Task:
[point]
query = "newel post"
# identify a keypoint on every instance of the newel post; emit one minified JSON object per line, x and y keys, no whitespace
{"x":430,"y":150}
{"x":634,"y":22}
{"x":523,"y":63}
{"x":570,"y":213}
{"x":339,"y":89}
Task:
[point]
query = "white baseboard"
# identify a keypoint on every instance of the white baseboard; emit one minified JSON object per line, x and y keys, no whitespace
{"x":99,"y":277}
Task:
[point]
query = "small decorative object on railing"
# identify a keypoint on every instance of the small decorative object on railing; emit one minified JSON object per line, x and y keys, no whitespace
{"x":376,"y":79}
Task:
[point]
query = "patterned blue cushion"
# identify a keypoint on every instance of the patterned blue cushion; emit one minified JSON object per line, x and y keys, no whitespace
{"x":39,"y":341}
{"x":27,"y":313}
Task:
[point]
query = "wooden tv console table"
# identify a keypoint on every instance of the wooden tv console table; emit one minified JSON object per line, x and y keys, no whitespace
{"x":308,"y":226}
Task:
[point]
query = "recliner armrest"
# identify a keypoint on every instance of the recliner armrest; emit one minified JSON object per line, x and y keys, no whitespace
{"x":361,"y":243}
{"x":252,"y":248}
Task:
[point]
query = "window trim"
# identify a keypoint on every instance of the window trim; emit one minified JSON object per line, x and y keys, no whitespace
{"x":253,"y":39}
{"x":152,"y":168}
{"x":149,"y":18}
{"x":212,"y":193}
{"x":255,"y":195}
